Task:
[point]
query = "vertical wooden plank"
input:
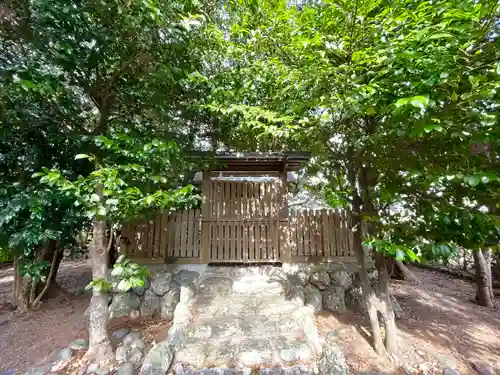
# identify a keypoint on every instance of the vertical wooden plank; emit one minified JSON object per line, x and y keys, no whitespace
{"x":258,"y":249}
{"x":253,"y":203}
{"x":292,"y":229}
{"x":237,"y":246}
{"x":191,"y":234}
{"x":333,"y":224}
{"x":163,"y":235}
{"x":157,"y":246}
{"x":171,"y":235}
{"x":319,"y":236}
{"x":237,"y":200}
{"x":325,"y":245}
{"x":342,"y":231}
{"x":178,"y":234}
{"x":260,"y":206}
{"x":245,"y":248}
{"x":300,"y":233}
{"x":244,"y":202}
{"x":343,"y":225}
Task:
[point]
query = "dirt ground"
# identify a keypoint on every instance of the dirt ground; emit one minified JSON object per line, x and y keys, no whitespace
{"x":441,"y":326}
{"x":31,"y":338}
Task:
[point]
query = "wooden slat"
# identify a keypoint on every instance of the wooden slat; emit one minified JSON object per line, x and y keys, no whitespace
{"x":258,"y":249}
{"x":345,"y":237}
{"x":190,"y":233}
{"x":318,"y":234}
{"x":197,"y":231}
{"x":325,"y":243}
{"x":157,"y":234}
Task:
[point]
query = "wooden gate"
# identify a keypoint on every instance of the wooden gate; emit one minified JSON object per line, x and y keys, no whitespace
{"x":242,"y":220}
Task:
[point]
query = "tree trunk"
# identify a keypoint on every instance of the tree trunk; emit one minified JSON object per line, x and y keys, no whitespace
{"x":385,"y":304}
{"x":464,"y":258}
{"x":100,"y":348}
{"x":369,"y":296}
{"x":488,"y":256}
{"x":19,"y":289}
{"x":483,"y":295}
{"x":47,"y":253}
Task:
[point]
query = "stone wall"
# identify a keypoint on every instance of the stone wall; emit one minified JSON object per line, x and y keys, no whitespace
{"x":330,"y":286}
{"x":159,"y":296}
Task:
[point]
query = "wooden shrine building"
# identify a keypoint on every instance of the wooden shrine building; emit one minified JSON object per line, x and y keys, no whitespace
{"x":244,"y":218}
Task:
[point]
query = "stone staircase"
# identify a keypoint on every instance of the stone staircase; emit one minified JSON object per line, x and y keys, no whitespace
{"x":248,"y":317}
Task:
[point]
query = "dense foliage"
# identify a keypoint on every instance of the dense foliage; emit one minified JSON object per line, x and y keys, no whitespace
{"x":102,"y":103}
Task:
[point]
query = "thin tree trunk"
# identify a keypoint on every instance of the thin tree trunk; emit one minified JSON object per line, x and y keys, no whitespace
{"x":99,"y":342}
{"x":50,"y":278}
{"x":15,"y":285}
{"x":488,"y":256}
{"x":464,"y":259}
{"x":483,"y":295}
{"x":369,"y":296}
{"x":385,"y":304}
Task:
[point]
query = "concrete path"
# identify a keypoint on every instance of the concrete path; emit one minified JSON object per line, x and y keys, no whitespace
{"x":248,"y":317}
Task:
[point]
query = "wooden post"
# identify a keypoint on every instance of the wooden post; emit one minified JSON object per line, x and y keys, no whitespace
{"x":285,"y":253}
{"x":206,"y":207}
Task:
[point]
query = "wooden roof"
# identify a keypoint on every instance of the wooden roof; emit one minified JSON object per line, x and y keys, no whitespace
{"x":260,"y":162}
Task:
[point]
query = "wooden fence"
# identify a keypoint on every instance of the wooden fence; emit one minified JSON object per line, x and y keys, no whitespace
{"x":305,"y":236}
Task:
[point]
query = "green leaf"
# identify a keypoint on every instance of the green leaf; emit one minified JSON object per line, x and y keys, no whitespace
{"x":433,"y":127}
{"x":38,"y":174}
{"x":473,"y":181}
{"x":82,"y":156}
{"x":441,"y":36}
{"x":420,"y":101}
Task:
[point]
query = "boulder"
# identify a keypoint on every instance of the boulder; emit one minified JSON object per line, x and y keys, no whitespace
{"x":450,"y":371}
{"x":158,"y":360}
{"x":139,"y":290}
{"x":303,"y":277}
{"x":354,"y":299}
{"x":482,"y":368}
{"x":126,"y":369}
{"x":138,"y":343}
{"x":168,"y":303}
{"x":123,"y":304}
{"x":131,"y":338}
{"x":161,"y":283}
{"x":184,"y":276}
{"x":187,"y":291}
{"x":314,"y":298}
{"x":332,"y":360}
{"x":119,"y":334}
{"x":297,"y":294}
{"x":340,"y":278}
{"x":92,"y":368}
{"x":150,"y":304}
{"x":320,"y":280}
{"x":135,"y":355}
{"x":122,"y":353}
{"x":334,"y":299}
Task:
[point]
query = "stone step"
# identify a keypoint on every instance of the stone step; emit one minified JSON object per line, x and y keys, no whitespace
{"x":247,"y":352}
{"x":234,"y":330}
{"x":244,"y":305}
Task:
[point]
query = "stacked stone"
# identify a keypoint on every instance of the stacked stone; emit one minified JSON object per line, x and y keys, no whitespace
{"x":158,"y":297}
